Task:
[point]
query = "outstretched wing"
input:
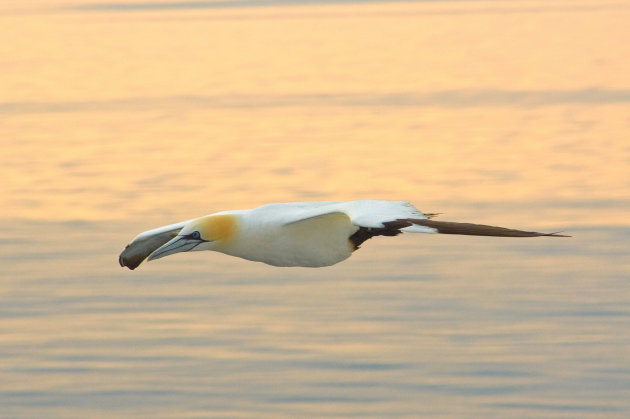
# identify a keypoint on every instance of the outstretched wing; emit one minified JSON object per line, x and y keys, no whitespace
{"x":451,"y":227}
{"x":145,"y":243}
{"x":366,"y":213}
{"x":390,"y":218}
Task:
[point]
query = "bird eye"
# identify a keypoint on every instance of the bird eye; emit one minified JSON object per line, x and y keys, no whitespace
{"x":195,"y":235}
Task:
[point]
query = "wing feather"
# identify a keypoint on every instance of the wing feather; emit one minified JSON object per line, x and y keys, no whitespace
{"x":366,"y":213}
{"x":450,"y":227}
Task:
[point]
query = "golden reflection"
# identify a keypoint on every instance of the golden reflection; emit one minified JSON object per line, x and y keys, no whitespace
{"x":509,"y":113}
{"x":114,"y":115}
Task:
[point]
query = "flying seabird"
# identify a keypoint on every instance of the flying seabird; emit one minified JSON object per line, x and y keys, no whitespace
{"x":310,"y":234}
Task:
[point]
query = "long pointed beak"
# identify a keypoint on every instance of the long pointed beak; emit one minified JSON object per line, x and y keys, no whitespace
{"x":175,"y":245}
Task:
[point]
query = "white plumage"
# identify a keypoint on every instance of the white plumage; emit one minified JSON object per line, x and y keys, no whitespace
{"x":311,"y":234}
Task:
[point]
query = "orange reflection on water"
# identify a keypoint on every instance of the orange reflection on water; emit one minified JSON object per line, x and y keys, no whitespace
{"x":112,"y":115}
{"x":512,"y":113}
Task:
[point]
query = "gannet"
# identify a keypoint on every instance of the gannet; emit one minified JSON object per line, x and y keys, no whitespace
{"x":309,"y":234}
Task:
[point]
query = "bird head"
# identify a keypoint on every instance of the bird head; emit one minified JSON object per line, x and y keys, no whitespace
{"x":204,"y":233}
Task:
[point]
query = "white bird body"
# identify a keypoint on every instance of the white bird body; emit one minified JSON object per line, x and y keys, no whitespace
{"x":309,"y":234}
{"x":317,"y":241}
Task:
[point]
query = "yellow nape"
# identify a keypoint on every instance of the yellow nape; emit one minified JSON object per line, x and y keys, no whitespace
{"x":217,"y":227}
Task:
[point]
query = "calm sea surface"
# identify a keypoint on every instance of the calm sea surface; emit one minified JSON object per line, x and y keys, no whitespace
{"x":119,"y":117}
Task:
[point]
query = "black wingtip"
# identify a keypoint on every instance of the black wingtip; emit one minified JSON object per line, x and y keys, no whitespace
{"x":451,"y":227}
{"x":130,"y":266}
{"x":556,"y":234}
{"x":128,"y":262}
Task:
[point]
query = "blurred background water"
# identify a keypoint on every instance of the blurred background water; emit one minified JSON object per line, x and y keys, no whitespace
{"x":119,"y":117}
